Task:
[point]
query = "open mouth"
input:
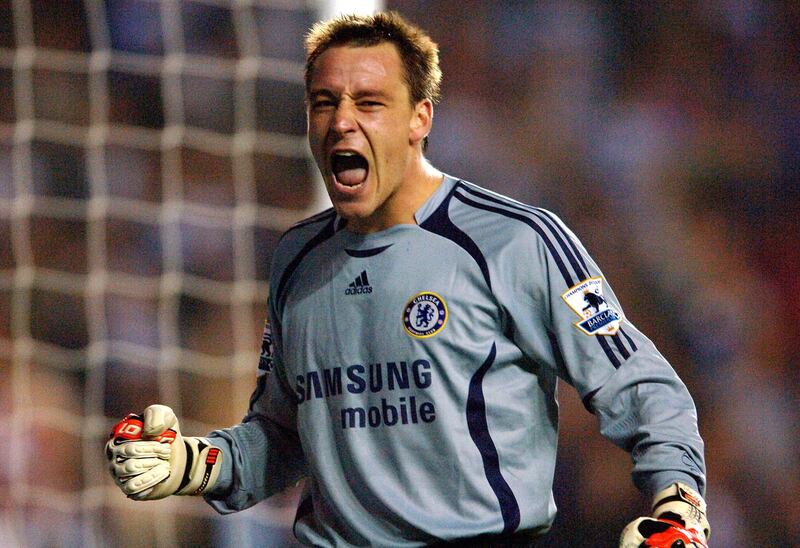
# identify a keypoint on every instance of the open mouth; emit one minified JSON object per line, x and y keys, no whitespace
{"x":349,"y":168}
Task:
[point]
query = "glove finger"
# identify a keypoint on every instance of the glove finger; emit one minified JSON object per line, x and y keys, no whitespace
{"x":120,"y":481}
{"x":631,"y":536}
{"x":141,"y":449}
{"x":125,"y":468}
{"x":146,"y":480}
{"x":141,"y":495}
{"x":157,"y":419}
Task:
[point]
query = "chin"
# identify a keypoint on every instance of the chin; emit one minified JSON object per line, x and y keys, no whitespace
{"x":355,"y":216}
{"x":350,"y":211}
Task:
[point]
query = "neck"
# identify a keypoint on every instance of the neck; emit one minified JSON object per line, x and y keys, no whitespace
{"x":421,"y":180}
{"x":428,"y":180}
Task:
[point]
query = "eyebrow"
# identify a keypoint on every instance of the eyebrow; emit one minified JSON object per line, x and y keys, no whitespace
{"x":320,"y":92}
{"x":370,"y":93}
{"x":324,"y":92}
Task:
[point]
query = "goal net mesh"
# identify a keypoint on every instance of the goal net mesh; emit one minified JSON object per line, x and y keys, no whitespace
{"x":151,"y":152}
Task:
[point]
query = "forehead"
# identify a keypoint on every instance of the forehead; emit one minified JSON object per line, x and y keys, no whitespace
{"x":343,"y":67}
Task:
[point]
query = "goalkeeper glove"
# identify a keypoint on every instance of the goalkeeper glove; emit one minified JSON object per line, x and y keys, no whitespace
{"x":149,"y":458}
{"x":679,"y":520}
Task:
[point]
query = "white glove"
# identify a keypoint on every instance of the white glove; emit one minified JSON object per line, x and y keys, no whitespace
{"x":149,"y":459}
{"x":679,"y":514}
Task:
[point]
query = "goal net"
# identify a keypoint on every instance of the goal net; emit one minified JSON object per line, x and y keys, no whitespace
{"x":151,"y":152}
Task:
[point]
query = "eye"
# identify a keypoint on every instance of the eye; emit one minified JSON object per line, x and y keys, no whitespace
{"x":370,"y":104}
{"x":322,"y":103}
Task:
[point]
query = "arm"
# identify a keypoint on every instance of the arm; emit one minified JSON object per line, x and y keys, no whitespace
{"x":256,"y":458}
{"x":645,"y":409}
{"x":232,"y":468}
{"x":568,"y":317}
{"x":641,"y":403}
{"x":265,"y":459}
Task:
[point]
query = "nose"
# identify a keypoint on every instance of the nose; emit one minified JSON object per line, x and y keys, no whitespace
{"x":344,"y":120}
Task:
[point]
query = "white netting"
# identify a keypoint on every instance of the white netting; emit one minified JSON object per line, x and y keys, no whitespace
{"x":150,"y":155}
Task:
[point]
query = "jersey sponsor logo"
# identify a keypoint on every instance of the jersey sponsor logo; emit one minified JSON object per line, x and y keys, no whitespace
{"x":425,"y":315}
{"x":587,"y":301}
{"x":389,"y":414}
{"x":401,"y":385}
{"x":359,"y":286}
{"x":265,"y":359}
{"x":375,"y":378}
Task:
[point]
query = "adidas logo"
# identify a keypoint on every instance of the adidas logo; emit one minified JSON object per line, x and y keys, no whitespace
{"x":359,"y":286}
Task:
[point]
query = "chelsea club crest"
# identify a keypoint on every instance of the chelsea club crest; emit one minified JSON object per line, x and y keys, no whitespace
{"x":587,"y":301}
{"x":425,"y":315}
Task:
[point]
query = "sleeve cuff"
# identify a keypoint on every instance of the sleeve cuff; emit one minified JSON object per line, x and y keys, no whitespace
{"x":659,"y":481}
{"x":225,"y":479}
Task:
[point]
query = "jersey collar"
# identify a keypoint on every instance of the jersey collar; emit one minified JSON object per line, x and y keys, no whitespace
{"x":435,"y":199}
{"x":425,"y":210}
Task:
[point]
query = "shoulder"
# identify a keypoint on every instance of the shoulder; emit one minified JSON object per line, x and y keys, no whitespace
{"x":321,"y":218}
{"x":499,"y":220}
{"x":516,"y":235}
{"x":301,"y":238}
{"x":306,"y":230}
{"x":519,"y":237}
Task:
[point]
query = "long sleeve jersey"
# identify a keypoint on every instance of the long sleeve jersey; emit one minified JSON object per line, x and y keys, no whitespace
{"x":410,"y":375}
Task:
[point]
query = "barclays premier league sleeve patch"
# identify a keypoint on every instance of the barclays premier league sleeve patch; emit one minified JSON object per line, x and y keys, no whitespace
{"x":587,"y":301}
{"x":267,"y":351}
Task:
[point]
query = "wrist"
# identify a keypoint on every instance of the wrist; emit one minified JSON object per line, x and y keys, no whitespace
{"x":203,"y":465}
{"x":682,"y":504}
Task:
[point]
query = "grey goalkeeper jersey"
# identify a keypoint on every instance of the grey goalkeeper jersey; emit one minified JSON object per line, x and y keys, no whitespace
{"x":410,"y":375}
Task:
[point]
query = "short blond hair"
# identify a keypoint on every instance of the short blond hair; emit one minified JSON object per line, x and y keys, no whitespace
{"x":419,"y":54}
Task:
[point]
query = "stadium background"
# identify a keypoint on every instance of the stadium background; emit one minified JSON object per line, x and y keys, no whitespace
{"x":152,"y":152}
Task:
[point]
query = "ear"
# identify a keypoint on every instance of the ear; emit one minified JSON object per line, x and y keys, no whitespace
{"x":421,"y":121}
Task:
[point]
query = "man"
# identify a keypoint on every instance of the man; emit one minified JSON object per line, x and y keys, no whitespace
{"x":416,"y":333}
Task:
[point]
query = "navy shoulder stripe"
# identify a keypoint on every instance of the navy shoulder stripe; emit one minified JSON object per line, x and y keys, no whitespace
{"x":321,"y":216}
{"x":567,"y":237}
{"x":548,"y":221}
{"x":528,"y":221}
{"x":439,"y":222}
{"x":609,"y":352}
{"x":630,"y":340}
{"x":324,"y":234}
